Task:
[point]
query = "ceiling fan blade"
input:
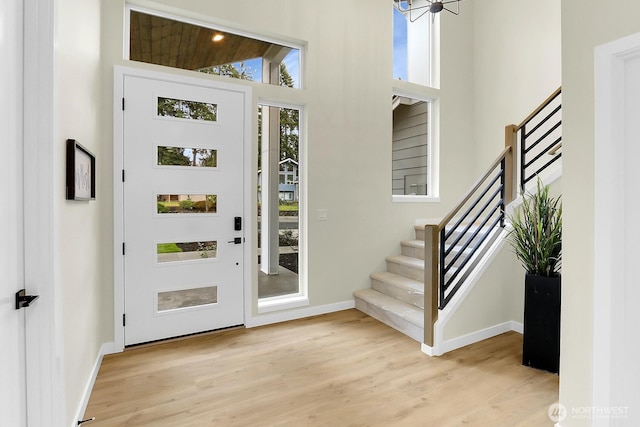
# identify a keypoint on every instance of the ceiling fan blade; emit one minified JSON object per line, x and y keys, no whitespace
{"x":457,"y":7}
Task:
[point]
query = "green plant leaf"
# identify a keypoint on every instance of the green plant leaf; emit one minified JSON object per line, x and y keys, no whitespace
{"x":536,"y":237}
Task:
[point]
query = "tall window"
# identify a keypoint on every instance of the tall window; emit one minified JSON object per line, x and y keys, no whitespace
{"x":414,"y":166}
{"x":410,"y":146}
{"x":279,"y":205}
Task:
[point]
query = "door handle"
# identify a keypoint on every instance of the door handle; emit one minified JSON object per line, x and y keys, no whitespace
{"x":236,"y":241}
{"x":23,"y":300}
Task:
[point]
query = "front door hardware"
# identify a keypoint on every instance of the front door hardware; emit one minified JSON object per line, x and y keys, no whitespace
{"x":237,"y":223}
{"x":23,"y":300}
{"x":236,"y":241}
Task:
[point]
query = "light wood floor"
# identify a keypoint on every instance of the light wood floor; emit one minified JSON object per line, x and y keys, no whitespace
{"x":340,"y":369}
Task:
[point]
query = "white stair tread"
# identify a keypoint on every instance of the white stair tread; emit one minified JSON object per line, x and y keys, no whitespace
{"x":407,"y":312}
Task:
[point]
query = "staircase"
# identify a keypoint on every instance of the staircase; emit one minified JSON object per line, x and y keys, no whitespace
{"x":396,"y":296}
{"x":463,"y":237}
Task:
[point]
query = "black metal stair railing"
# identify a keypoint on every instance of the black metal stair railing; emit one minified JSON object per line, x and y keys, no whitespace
{"x":540,"y":136}
{"x":469,"y":225}
{"x":452,"y":246}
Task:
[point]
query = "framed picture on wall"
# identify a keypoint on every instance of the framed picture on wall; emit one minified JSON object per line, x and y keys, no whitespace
{"x":81,"y":172}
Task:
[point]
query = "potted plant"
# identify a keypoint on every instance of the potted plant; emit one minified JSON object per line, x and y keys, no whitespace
{"x":536,"y":238}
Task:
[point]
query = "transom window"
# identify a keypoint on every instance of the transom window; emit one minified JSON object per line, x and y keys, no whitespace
{"x":162,"y":40}
{"x":412,"y":47}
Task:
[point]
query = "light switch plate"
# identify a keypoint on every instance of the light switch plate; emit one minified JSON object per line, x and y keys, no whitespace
{"x":322,"y":215}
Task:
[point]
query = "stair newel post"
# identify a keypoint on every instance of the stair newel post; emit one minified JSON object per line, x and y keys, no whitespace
{"x":510,"y":176}
{"x":431,"y":278}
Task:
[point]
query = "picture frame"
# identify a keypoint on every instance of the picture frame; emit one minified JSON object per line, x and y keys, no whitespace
{"x":81,"y":172}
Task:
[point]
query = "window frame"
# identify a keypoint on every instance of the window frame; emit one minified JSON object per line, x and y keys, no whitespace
{"x":431,"y":96}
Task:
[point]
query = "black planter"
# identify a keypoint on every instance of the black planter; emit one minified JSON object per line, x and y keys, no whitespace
{"x":541,"y":347}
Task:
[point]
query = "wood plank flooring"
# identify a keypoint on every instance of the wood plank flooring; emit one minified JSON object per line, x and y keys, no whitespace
{"x":339,"y":369}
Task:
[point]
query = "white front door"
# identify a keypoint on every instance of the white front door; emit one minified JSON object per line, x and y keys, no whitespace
{"x":183,"y":208}
{"x":12,"y":321}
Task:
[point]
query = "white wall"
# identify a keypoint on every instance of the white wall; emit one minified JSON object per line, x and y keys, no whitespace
{"x":517,"y":65}
{"x":457,"y":160}
{"x":584,"y":25}
{"x":82,"y":273}
{"x":497,"y":298}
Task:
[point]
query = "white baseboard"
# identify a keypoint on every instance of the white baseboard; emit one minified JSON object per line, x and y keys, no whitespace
{"x":284,"y":316}
{"x":106,"y":348}
{"x":427,"y":350}
{"x":474,"y":337}
{"x":480,"y":335}
{"x":517,"y":327}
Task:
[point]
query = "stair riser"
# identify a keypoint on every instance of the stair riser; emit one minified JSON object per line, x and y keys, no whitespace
{"x":404,"y":295}
{"x":406,"y":271}
{"x":391,"y":319}
{"x":412,"y":251}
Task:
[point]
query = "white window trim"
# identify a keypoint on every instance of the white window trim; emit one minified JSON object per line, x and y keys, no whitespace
{"x":285,"y":302}
{"x":399,"y":198}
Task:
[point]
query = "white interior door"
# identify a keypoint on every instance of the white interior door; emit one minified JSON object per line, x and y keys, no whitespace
{"x":625,"y":372}
{"x":616,"y":319}
{"x":183,"y":208}
{"x":12,"y":321}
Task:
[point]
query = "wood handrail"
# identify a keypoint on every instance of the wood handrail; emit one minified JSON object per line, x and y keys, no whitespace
{"x":540,"y":107}
{"x":431,"y":285}
{"x":473,"y":189}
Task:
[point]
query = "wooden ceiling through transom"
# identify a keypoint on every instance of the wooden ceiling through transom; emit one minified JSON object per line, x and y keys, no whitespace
{"x":164,"y":41}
